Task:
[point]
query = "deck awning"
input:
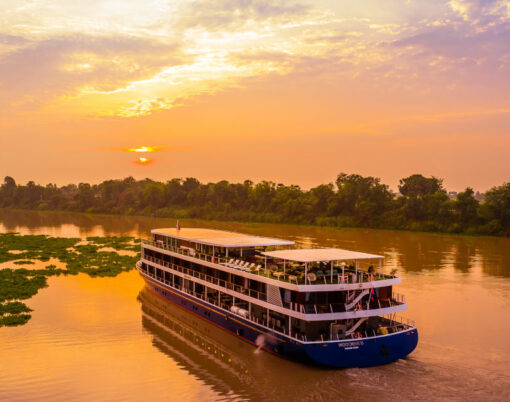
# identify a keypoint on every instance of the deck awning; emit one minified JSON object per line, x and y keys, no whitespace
{"x":320,"y":255}
{"x":220,"y":238}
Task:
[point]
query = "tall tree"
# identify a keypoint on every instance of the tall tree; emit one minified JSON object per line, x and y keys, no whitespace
{"x":496,"y":210}
{"x":425,"y":200}
{"x":466,"y":206}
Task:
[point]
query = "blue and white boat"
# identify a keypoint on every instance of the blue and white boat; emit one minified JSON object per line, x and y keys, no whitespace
{"x":329,"y":306}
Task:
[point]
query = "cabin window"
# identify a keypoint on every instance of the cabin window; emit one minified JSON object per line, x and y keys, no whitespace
{"x":238,"y":280}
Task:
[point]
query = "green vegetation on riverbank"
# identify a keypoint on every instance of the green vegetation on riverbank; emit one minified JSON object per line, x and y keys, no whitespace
{"x":75,"y":254}
{"x":352,"y":201}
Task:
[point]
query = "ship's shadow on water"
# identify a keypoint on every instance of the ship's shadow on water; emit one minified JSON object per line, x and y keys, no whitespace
{"x":238,"y":371}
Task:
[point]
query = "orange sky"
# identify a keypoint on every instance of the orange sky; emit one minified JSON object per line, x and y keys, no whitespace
{"x":293,"y":92}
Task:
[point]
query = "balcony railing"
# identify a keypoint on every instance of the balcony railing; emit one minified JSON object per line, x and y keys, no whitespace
{"x":394,"y":323}
{"x":298,"y":307}
{"x":291,"y":275}
{"x":209,"y":279}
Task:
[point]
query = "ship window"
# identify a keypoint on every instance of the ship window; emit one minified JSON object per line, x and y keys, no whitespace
{"x":238,"y":280}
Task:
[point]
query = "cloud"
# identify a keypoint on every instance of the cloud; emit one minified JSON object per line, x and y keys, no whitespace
{"x":232,"y":43}
{"x":8,"y":39}
{"x":457,"y":42}
{"x":480,"y":12}
{"x":232,"y":14}
{"x":471,"y":50}
{"x":43,"y":69}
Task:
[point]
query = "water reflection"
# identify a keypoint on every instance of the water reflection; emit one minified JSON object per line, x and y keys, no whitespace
{"x":464,"y":256}
{"x":407,"y":251}
{"x":200,"y":348}
{"x":226,"y":363}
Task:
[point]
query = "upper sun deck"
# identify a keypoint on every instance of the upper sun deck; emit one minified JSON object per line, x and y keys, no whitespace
{"x":320,"y":255}
{"x":220,"y":238}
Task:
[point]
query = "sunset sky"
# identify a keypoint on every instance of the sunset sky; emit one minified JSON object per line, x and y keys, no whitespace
{"x":294,"y":92}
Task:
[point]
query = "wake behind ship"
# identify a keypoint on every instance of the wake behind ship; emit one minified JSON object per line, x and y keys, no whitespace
{"x":327,"y":306}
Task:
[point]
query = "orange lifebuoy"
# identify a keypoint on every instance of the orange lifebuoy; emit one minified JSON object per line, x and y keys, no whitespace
{"x":359,"y":307}
{"x":357,"y":335}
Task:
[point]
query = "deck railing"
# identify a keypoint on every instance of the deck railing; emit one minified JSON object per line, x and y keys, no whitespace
{"x":397,"y":323}
{"x":298,"y":307}
{"x":400,"y":320}
{"x":210,"y":279}
{"x":349,"y":276}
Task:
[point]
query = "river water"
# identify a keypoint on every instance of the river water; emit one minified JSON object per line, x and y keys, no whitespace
{"x":108,"y":339}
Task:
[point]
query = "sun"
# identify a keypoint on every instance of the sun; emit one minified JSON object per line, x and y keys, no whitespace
{"x":144,"y":152}
{"x":140,"y":149}
{"x":145,"y":149}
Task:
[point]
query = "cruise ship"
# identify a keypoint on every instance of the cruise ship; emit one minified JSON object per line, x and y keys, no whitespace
{"x":326,"y":306}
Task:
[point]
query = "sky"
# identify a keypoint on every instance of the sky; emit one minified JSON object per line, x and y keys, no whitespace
{"x":289,"y":91}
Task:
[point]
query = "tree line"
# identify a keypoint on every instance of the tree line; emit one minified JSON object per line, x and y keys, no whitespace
{"x":422,"y":203}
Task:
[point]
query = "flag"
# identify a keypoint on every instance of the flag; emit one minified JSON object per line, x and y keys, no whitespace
{"x":372,"y":292}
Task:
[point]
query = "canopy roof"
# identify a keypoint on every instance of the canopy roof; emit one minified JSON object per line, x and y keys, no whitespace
{"x":319,"y":254}
{"x":220,"y":238}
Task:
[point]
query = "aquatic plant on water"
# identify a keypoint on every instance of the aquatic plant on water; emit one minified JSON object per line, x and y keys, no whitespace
{"x":21,"y":284}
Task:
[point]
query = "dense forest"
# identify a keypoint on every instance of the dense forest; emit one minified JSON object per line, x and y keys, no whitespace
{"x":351,"y":201}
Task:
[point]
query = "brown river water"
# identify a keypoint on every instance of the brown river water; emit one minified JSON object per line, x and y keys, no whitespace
{"x":108,"y":339}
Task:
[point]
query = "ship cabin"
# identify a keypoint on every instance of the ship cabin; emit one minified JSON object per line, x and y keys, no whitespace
{"x":306,"y":294}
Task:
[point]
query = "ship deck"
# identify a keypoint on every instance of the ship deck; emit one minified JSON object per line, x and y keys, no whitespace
{"x":285,"y":271}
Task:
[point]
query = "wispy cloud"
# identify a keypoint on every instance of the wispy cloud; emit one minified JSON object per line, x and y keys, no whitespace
{"x":234,"y":14}
{"x":8,"y":39}
{"x":137,"y":60}
{"x":44,"y":69}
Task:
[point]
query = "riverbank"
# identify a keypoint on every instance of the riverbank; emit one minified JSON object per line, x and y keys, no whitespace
{"x":422,"y":203}
{"x":172,"y":221}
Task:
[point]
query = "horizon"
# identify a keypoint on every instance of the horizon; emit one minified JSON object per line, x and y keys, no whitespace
{"x":292,"y":92}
